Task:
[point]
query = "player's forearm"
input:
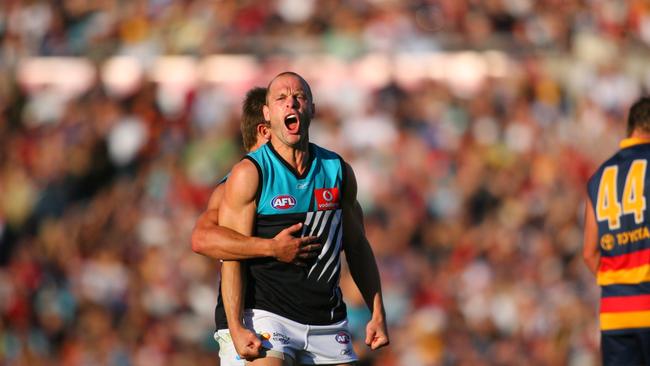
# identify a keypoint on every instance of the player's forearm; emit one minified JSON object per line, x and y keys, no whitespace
{"x":361,"y":261}
{"x":377,"y":311}
{"x":365,"y":274}
{"x":590,"y":247}
{"x":232,"y":285}
{"x":219,"y":242}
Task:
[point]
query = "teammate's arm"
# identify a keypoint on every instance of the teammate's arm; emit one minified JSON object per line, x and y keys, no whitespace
{"x":590,"y":250}
{"x":218,"y":242}
{"x":238,"y":213}
{"x":361,"y":262}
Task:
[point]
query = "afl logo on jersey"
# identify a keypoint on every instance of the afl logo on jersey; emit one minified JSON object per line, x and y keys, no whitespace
{"x":283,"y":202}
{"x":342,"y":337}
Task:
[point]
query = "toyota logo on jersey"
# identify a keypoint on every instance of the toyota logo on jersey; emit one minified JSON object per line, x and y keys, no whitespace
{"x":283,"y":202}
{"x":327,"y":198}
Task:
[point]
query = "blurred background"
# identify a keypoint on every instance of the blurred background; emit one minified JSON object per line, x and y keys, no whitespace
{"x":472,"y":127}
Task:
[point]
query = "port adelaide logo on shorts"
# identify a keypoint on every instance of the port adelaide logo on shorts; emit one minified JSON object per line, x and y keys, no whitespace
{"x":283,"y":202}
{"x":342,"y":337}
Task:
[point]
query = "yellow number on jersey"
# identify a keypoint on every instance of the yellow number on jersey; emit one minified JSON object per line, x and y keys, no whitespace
{"x":607,"y":206}
{"x":633,"y":197}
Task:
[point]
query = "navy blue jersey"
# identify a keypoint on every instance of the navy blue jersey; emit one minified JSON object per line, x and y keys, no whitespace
{"x":311,"y":294}
{"x":620,"y":193}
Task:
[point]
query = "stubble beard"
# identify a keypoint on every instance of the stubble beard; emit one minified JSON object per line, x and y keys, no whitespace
{"x":303,"y":140}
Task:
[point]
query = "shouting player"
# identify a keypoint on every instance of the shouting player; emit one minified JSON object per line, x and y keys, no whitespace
{"x":298,"y":311}
{"x":211,"y":240}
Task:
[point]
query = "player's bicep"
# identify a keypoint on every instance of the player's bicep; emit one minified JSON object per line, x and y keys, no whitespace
{"x":353,"y":231}
{"x":237,"y":209}
{"x":216,"y":197}
{"x":358,"y":213}
{"x":350,"y":187}
{"x":210,"y":217}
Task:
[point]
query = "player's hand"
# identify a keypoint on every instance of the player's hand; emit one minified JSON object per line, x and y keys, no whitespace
{"x":289,"y":249}
{"x":376,"y":334}
{"x":247,"y":344}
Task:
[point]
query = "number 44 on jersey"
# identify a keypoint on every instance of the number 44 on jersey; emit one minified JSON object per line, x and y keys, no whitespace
{"x":633,"y":202}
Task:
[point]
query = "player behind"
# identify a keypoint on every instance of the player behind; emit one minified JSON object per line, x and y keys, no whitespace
{"x":211,"y":240}
{"x":298,"y":311}
{"x":617,"y":243}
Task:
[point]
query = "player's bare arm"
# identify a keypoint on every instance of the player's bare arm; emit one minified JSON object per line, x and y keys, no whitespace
{"x":590,"y":251}
{"x":363,"y":267}
{"x":237,"y":212}
{"x":214,"y":241}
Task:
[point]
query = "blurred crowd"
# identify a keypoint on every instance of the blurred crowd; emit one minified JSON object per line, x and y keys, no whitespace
{"x":473,"y":203}
{"x":98,"y":28}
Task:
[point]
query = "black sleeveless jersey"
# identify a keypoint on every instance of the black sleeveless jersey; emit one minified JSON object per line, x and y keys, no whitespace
{"x":311,"y":294}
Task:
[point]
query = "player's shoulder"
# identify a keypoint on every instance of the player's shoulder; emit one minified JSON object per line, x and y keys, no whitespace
{"x":613,"y":160}
{"x":243,"y":183}
{"x":244,"y":171}
{"x":330,"y":159}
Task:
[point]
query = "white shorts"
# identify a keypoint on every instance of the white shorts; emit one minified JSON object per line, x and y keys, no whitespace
{"x":306,"y":344}
{"x":227,"y":353}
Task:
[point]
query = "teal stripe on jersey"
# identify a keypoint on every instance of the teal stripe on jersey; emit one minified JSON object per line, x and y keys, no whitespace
{"x":284,"y":191}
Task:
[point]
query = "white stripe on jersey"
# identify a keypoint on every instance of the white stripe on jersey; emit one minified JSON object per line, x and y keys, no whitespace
{"x":335,"y":222}
{"x":316,"y":223}
{"x":337,"y":293}
{"x":335,"y":254}
{"x":310,"y":214}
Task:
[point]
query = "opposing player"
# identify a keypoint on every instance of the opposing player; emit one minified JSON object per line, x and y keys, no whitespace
{"x":298,"y":311}
{"x":211,"y":240}
{"x":617,"y":243}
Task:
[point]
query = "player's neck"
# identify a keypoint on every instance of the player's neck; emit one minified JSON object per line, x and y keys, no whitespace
{"x":296,"y":156}
{"x":639,"y":134}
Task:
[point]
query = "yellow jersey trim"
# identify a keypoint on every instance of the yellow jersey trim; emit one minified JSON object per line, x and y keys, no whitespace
{"x":632,"y":141}
{"x":624,"y":276}
{"x":626,"y":320}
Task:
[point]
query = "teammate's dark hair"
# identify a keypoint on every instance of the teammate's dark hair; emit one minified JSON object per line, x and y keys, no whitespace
{"x":285,"y":73}
{"x":639,"y":117}
{"x":252,"y":116}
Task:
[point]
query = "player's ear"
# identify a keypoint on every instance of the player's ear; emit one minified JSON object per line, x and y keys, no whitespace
{"x":264,"y":130}
{"x":267,"y":113}
{"x":313,"y":110}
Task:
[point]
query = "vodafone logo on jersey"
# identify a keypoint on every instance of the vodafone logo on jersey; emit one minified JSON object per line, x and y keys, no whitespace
{"x":283,"y":202}
{"x":327,"y":198}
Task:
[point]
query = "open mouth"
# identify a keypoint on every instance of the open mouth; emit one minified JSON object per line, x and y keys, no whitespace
{"x":292,"y":123}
